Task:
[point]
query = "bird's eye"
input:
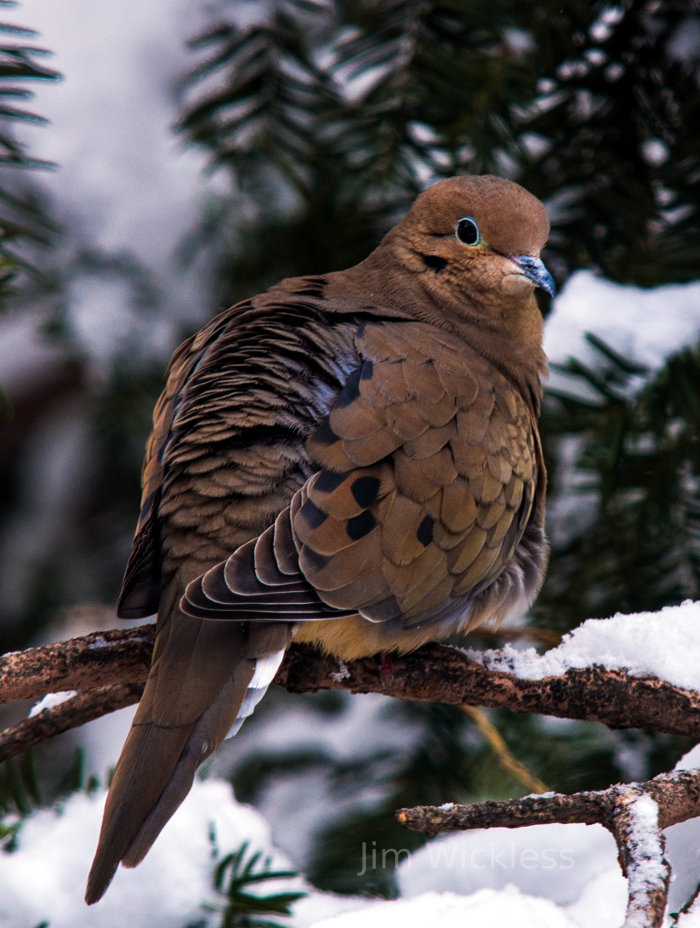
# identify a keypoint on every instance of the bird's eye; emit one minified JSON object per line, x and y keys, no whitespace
{"x":467,"y":231}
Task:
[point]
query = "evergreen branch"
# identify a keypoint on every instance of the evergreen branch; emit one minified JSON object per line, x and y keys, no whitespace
{"x":20,"y":220}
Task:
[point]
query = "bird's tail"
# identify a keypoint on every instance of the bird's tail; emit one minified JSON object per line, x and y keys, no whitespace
{"x":206,"y":677}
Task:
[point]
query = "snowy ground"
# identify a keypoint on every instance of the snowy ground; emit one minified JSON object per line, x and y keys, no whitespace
{"x":125,"y":182}
{"x":563,"y":876}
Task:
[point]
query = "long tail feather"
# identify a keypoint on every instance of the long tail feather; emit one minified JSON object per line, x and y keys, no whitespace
{"x":206,"y":678}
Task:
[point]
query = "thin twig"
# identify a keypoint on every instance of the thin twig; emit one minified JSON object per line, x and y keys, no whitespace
{"x":677,"y":795}
{"x":73,"y":712}
{"x":635,"y":814}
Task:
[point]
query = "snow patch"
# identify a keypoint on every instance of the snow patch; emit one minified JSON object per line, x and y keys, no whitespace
{"x":482,"y":909}
{"x":44,"y":878}
{"x":51,"y":700}
{"x":643,"y":325}
{"x":663,"y":644}
{"x":556,"y":862}
{"x":342,"y":673}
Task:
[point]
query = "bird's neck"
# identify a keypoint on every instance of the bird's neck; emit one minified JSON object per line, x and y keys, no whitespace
{"x":507,"y":333}
{"x":514,"y":347}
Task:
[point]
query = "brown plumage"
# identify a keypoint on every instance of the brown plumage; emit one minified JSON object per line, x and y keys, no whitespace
{"x":350,"y":460}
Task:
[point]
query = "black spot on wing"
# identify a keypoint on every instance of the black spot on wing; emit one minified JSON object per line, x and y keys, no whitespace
{"x":425,"y":531}
{"x":329,"y":480}
{"x":361,"y":525}
{"x":367,"y":370}
{"x":364,"y":490}
{"x":350,"y":391}
{"x":325,"y":435}
{"x":313,"y":516}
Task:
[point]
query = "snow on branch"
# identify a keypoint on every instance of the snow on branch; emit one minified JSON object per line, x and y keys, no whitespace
{"x":76,"y":710}
{"x":638,"y":671}
{"x":612,"y":671}
{"x":634,"y":813}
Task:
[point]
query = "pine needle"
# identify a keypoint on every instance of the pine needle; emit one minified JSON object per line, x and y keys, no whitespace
{"x":499,"y":747}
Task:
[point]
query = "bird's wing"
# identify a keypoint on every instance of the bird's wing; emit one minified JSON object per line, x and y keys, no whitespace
{"x":427,"y":470}
{"x":262,"y":372}
{"x":141,"y":587}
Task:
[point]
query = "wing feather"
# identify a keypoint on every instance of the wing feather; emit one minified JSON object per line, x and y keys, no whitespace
{"x":424,"y":481}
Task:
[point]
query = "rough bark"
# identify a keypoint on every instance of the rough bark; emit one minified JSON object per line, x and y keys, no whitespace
{"x":109,"y":669}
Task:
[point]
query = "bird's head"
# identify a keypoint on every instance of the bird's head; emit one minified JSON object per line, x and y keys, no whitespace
{"x":481,"y":236}
{"x":471,"y":245}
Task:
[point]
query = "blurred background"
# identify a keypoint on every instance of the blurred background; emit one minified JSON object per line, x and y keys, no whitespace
{"x":195,"y":153}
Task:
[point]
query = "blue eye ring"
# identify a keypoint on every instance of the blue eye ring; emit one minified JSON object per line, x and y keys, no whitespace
{"x":467,"y":231}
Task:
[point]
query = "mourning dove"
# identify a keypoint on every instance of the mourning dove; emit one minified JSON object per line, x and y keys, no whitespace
{"x":350,"y":460}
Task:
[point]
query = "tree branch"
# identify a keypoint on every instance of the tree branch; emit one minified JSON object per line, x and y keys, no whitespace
{"x":97,"y":663}
{"x":635,"y":814}
{"x":115,"y":656}
{"x":438,"y":673}
{"x":75,"y":711}
{"x":108,"y":670}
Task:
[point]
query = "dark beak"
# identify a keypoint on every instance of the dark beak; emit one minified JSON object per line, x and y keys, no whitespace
{"x":534,"y":270}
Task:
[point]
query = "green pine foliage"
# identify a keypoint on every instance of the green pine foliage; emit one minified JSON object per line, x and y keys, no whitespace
{"x":610,"y":142}
{"x":20,"y":792}
{"x":22,"y":217}
{"x":240,"y":877}
{"x":639,"y":461}
{"x":329,"y":118}
{"x":18,"y":62}
{"x":28,"y":784}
